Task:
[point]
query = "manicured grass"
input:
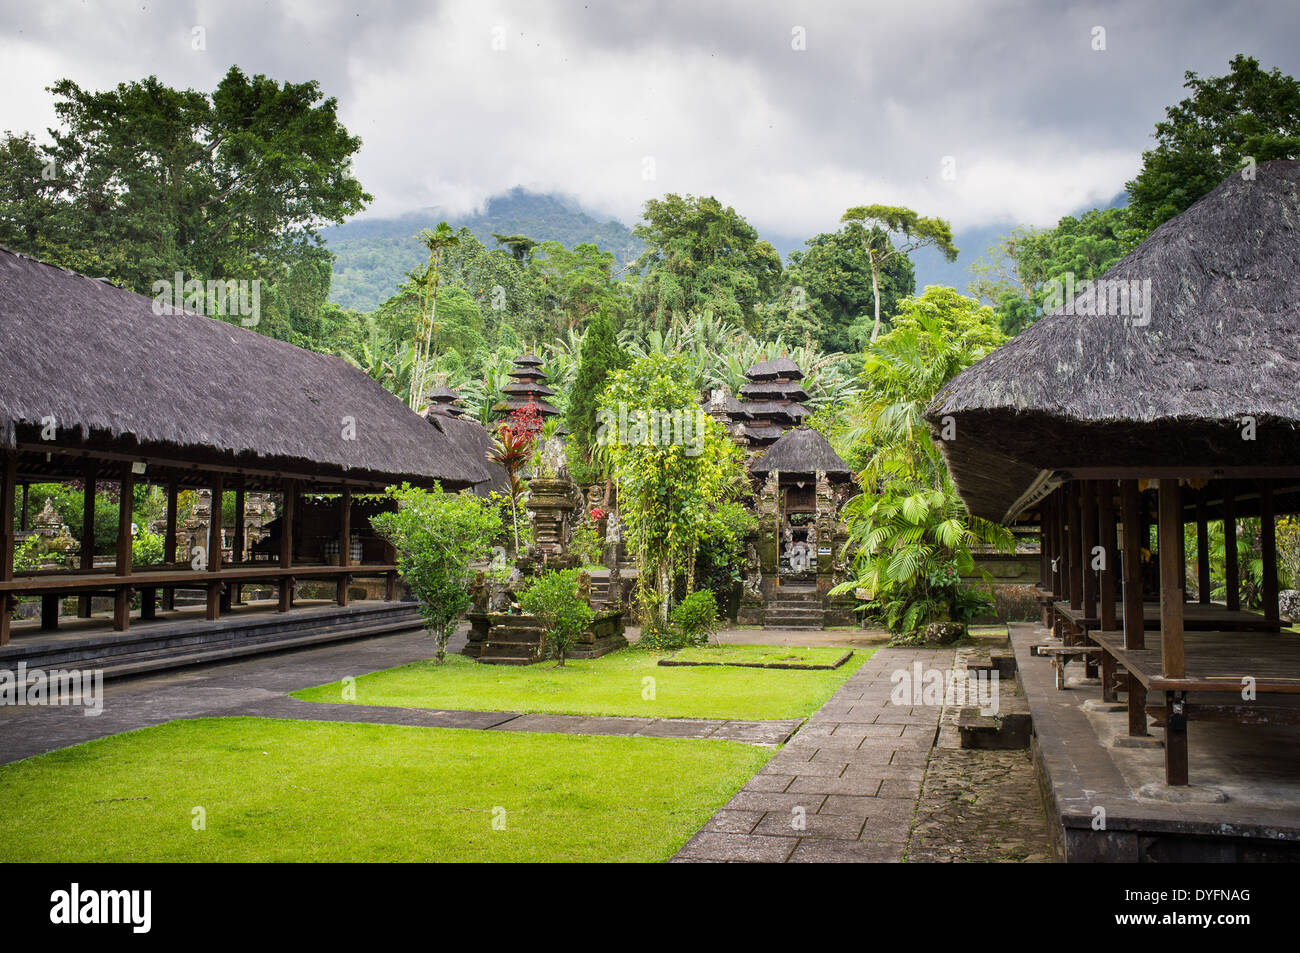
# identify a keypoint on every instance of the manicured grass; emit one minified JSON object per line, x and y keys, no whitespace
{"x":281,"y":790}
{"x":762,"y":654}
{"x":613,"y":685}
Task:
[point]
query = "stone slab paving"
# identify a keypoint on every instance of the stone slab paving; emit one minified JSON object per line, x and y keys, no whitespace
{"x":259,"y":687}
{"x":845,"y":787}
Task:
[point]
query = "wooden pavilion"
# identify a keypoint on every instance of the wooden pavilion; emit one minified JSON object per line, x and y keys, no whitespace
{"x":98,"y":386}
{"x":1163,"y":396}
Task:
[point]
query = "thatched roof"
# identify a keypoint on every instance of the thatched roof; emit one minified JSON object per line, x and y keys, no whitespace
{"x":782,"y":367}
{"x":529,"y":360}
{"x":118,"y":377}
{"x":801,"y":452}
{"x":773,"y":390}
{"x":528,"y":387}
{"x":775,"y":409}
{"x":474,"y":441}
{"x":1168,"y":387}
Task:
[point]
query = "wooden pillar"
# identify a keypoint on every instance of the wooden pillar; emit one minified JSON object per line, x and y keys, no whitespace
{"x":1058,"y":533}
{"x":169,"y":539}
{"x":122,"y":594}
{"x":1175,"y":739}
{"x":1134,"y":628}
{"x":1069,"y":522}
{"x":345,"y":544}
{"x":1078,"y":563}
{"x":1268,"y":549}
{"x":288,"y":509}
{"x":1231,"y":572}
{"x":24,"y":524}
{"x":214,"y":549}
{"x":1110,"y":566}
{"x":1087,"y":546}
{"x":87,"y":560}
{"x":1171,"y":580}
{"x":237,"y":554}
{"x":8,"y":487}
{"x":1044,"y":547}
{"x":1203,"y":583}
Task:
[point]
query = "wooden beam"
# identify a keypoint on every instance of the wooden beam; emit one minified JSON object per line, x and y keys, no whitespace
{"x":87,"y":537}
{"x":1203,"y":583}
{"x":122,"y":594}
{"x":1231,"y":572}
{"x":1134,"y":631}
{"x":1087,"y":546}
{"x":1268,"y":550}
{"x":1107,"y":616}
{"x":8,"y":545}
{"x":1171,"y":580}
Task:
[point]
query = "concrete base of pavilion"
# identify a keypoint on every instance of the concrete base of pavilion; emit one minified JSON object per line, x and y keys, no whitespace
{"x":1106,"y":800}
{"x":184,"y":637}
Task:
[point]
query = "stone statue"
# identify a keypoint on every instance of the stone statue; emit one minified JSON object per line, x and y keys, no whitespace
{"x":615,"y":596}
{"x":584,"y":588}
{"x":753,"y":586}
{"x":479,"y":593}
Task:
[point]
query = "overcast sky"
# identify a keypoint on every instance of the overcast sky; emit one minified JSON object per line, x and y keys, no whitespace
{"x":619,"y":102}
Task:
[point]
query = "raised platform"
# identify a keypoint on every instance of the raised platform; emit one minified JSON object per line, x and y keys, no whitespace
{"x":184,"y":637}
{"x":1196,"y":616}
{"x":1092,"y":788}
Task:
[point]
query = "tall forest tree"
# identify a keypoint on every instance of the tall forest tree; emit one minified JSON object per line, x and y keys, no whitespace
{"x":1228,"y":121}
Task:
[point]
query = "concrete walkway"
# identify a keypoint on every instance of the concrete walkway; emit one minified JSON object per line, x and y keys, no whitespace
{"x":845,"y":788}
{"x":260,"y":687}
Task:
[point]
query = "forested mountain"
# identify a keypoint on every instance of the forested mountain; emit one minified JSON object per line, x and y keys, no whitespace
{"x":373,"y":255}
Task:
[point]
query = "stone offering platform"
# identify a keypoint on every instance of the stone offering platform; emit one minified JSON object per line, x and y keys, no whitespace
{"x":1107,"y":802}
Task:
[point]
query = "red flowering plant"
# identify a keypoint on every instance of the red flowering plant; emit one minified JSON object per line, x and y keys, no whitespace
{"x":597,"y":513}
{"x":512,"y":449}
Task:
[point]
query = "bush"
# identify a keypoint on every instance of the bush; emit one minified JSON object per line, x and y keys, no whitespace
{"x":697,"y":616}
{"x":553,"y":598}
{"x":437,"y":535}
{"x":147,"y":549}
{"x":585,"y":543}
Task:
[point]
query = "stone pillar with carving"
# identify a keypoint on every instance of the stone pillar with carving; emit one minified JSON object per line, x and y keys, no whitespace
{"x":769,"y":515}
{"x":551,"y":504}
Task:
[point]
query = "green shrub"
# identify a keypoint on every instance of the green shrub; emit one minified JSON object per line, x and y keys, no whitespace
{"x":147,"y":549}
{"x":697,"y":616}
{"x":553,"y":598}
{"x":585,"y":542}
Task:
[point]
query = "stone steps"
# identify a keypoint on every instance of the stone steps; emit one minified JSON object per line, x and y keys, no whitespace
{"x":122,"y":656}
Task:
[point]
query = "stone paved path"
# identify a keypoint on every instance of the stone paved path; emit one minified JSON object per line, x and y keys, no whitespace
{"x":845,"y":788}
{"x":259,"y":687}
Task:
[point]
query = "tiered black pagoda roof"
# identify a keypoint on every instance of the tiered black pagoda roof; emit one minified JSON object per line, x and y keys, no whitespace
{"x":771,"y":402}
{"x":444,"y":400}
{"x":528,"y":386}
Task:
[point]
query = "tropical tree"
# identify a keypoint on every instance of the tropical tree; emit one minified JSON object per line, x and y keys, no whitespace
{"x":599,"y":355}
{"x":910,"y":536}
{"x":1227,"y":123}
{"x":437,"y":240}
{"x":437,"y":535}
{"x":512,"y":450}
{"x":553,"y":598}
{"x":673,"y":465}
{"x":916,"y":232}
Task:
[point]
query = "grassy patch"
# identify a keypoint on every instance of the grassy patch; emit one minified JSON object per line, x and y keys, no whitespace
{"x":761,"y":655}
{"x":613,"y":685}
{"x":281,"y":790}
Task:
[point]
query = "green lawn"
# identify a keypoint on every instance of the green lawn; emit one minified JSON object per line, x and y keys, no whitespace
{"x":762,"y":654}
{"x":281,"y":790}
{"x":613,"y":685}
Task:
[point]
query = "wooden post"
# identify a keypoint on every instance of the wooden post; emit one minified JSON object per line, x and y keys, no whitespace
{"x":1058,"y":552}
{"x":1171,"y":579}
{"x":287,"y":508}
{"x":8,"y":480}
{"x":1077,"y":564}
{"x":1068,"y":519}
{"x":169,"y":540}
{"x":1044,"y":548}
{"x":24,"y":525}
{"x":237,"y":550}
{"x":1134,"y":627}
{"x":1110,"y":567}
{"x":1175,"y":738}
{"x":214,"y":549}
{"x":1231,"y":572}
{"x":1087,"y":545}
{"x":1203,"y":583}
{"x":122,"y":594}
{"x":87,"y":560}
{"x":345,"y":544}
{"x":1268,"y":550}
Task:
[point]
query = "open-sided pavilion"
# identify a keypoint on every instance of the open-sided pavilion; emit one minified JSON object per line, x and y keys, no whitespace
{"x":1163,"y":396}
{"x":104,"y":386}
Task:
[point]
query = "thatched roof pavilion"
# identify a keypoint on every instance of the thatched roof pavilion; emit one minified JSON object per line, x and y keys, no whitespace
{"x":801,"y":453}
{"x":1165,"y":393}
{"x":104,"y":385}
